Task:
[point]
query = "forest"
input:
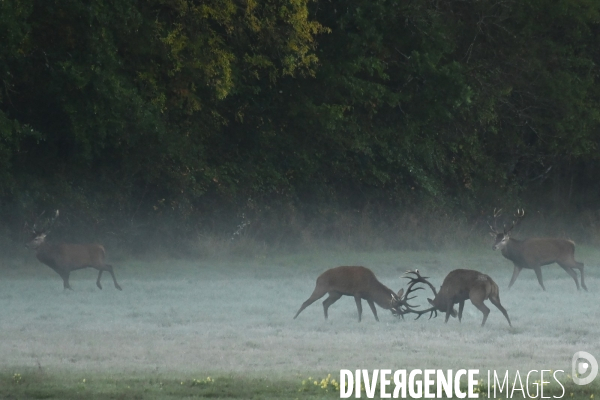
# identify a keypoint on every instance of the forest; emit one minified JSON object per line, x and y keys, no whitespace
{"x":379,"y":122}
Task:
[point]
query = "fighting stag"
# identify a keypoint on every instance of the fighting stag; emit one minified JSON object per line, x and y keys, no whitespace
{"x":360,"y":283}
{"x":533,"y":253}
{"x":460,"y":285}
{"x":64,"y":258}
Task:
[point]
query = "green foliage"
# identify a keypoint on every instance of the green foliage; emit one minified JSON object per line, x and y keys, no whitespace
{"x":176,"y":108}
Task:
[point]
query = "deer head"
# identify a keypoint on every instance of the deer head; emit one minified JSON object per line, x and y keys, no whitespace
{"x":398,"y":304}
{"x":39,"y":234}
{"x":501,"y":238}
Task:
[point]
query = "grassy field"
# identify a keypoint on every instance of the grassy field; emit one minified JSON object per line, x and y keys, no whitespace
{"x":39,"y":385}
{"x":178,"y":322}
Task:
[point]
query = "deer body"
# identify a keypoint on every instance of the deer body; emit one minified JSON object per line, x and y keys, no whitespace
{"x":64,"y":258}
{"x":358,"y":282}
{"x":535,"y":252}
{"x":465,"y":284}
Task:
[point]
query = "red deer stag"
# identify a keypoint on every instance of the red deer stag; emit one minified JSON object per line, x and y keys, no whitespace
{"x":460,"y":285}
{"x":361,"y":283}
{"x":65,"y":257}
{"x":533,"y":253}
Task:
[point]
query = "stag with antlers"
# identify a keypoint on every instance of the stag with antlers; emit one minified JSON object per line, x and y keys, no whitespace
{"x":65,"y":257}
{"x":360,"y":283}
{"x":460,"y":285}
{"x":534,"y":253}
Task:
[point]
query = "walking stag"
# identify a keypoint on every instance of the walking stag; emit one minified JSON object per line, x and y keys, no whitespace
{"x":64,"y":258}
{"x":534,"y":253}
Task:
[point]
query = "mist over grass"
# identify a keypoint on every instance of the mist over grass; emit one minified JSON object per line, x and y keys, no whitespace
{"x":234,"y":317}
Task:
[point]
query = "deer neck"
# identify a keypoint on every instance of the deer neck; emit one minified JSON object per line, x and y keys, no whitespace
{"x":445,"y":295}
{"x":382,"y":295}
{"x":43,"y":251}
{"x":511,"y":250}
{"x":439,"y":302}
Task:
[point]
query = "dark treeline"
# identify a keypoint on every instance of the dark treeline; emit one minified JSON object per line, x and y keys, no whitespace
{"x":129,"y":114}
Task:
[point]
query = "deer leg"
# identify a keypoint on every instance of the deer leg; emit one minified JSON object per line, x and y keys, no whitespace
{"x":580,"y":268}
{"x":496,"y":301}
{"x":483,"y":308}
{"x":571,"y":272}
{"x":372,"y":305}
{"x":98,"y":280}
{"x":449,"y":309}
{"x":572,"y":265}
{"x":63,"y":273}
{"x":333,"y":297}
{"x":358,"y":306}
{"x":461,"y":305}
{"x":477,"y":298}
{"x":515,"y":274}
{"x":316,"y":295}
{"x":109,"y":268}
{"x":538,"y":273}
{"x":65,"y":277}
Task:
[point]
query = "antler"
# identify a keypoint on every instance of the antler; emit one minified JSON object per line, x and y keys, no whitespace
{"x":47,"y":225}
{"x":497,"y":213}
{"x":519,"y":215}
{"x":411,"y":289}
{"x":397,"y":309}
{"x":56,"y":213}
{"x":34,"y":227}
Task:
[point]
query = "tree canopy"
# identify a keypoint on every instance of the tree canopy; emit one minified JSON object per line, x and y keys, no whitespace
{"x":197,"y":110}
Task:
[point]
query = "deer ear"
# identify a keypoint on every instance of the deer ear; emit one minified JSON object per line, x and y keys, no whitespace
{"x":400,"y":293}
{"x":430,"y":302}
{"x":492,"y":234}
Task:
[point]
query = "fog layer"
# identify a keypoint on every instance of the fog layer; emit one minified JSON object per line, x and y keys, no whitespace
{"x":236,"y":317}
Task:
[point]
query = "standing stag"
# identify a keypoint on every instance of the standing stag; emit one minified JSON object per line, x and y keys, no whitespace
{"x":65,"y":257}
{"x":533,"y":253}
{"x":460,"y":285}
{"x":361,"y":283}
